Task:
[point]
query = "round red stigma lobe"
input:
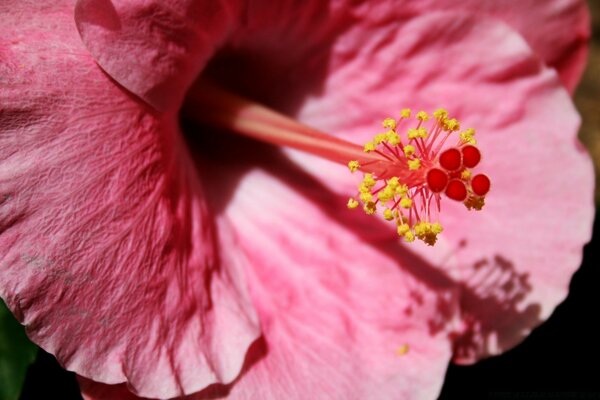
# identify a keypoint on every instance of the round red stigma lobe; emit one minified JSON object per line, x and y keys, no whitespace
{"x":471,"y":156}
{"x":456,"y":190}
{"x":481,"y":184}
{"x":414,"y":168}
{"x":437,"y":180}
{"x":451,"y":159}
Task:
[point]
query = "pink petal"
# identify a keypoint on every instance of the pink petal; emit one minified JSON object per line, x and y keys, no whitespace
{"x":556,"y":30}
{"x":514,"y":260}
{"x":334,"y":307}
{"x":366,"y":82}
{"x":109,"y":256}
{"x":155,"y":48}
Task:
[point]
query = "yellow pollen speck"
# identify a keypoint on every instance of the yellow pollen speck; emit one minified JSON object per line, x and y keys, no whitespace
{"x":466,"y":174}
{"x":386,"y":194}
{"x":406,"y":202}
{"x":380,"y":138}
{"x":353,"y":166}
{"x":369,"y":181}
{"x":388,"y":215}
{"x":428,"y":232}
{"x":402,"y":350}
{"x":475,"y":203}
{"x":422,"y":116}
{"x":393,"y":182}
{"x":370,"y":208}
{"x":409,"y":150}
{"x":467,"y":136}
{"x":403,"y":229}
{"x":389,"y":123}
{"x":440,"y":114}
{"x":451,"y":124}
{"x":412,"y":134}
{"x":393,"y":138}
{"x":352,"y":204}
{"x":369,"y":147}
{"x":414,"y":164}
{"x":405,"y":113}
{"x":365,"y":197}
{"x":402,"y":190}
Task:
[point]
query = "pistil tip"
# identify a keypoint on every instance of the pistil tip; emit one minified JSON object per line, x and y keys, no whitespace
{"x":419,"y":168}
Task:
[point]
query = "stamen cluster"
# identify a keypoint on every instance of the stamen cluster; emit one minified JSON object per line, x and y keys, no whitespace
{"x":419,"y":167}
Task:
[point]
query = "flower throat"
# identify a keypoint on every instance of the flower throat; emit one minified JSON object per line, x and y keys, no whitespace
{"x":407,"y":169}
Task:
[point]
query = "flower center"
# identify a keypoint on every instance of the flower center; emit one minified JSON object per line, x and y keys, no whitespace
{"x":406,"y":169}
{"x":420,"y":167}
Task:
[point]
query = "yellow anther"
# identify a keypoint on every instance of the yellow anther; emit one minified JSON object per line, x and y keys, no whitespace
{"x":352,"y":204}
{"x":402,"y":229}
{"x":353,"y":166}
{"x":466,"y":174}
{"x":451,"y":124}
{"x":370,"y":208}
{"x":427,"y":232}
{"x":405,"y":113}
{"x":362,"y":188}
{"x":422,"y":133}
{"x":406,"y":202}
{"x":369,"y":147}
{"x":380,"y":138}
{"x":393,"y":182}
{"x":402,"y":190}
{"x":388,"y":215}
{"x":386,"y":194}
{"x":409,"y":150}
{"x":420,"y":228}
{"x":474,"y":203}
{"x":389,"y":123}
{"x":422,"y":116}
{"x":467,"y":136}
{"x":368,"y":180}
{"x":440,"y":114}
{"x":414,"y":165}
{"x":365,"y":197}
{"x":402,"y":350}
{"x":409,"y":236}
{"x":393,"y":138}
{"x":412,"y":134}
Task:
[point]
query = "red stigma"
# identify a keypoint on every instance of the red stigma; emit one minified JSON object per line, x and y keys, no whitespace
{"x":451,"y":159}
{"x":480,"y":184}
{"x":456,"y":190}
{"x":471,"y":156}
{"x":437,"y":180}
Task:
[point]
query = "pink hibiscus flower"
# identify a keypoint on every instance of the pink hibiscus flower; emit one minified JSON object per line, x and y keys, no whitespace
{"x":162,"y":259}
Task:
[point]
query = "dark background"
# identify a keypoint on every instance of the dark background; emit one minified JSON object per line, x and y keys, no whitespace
{"x":559,"y":360}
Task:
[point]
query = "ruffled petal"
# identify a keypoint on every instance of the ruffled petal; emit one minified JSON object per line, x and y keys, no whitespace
{"x":556,"y":30}
{"x":504,"y":286}
{"x":559,"y":34}
{"x":109,"y":255}
{"x":513,"y":260}
{"x":343,"y":316}
{"x":155,"y":49}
